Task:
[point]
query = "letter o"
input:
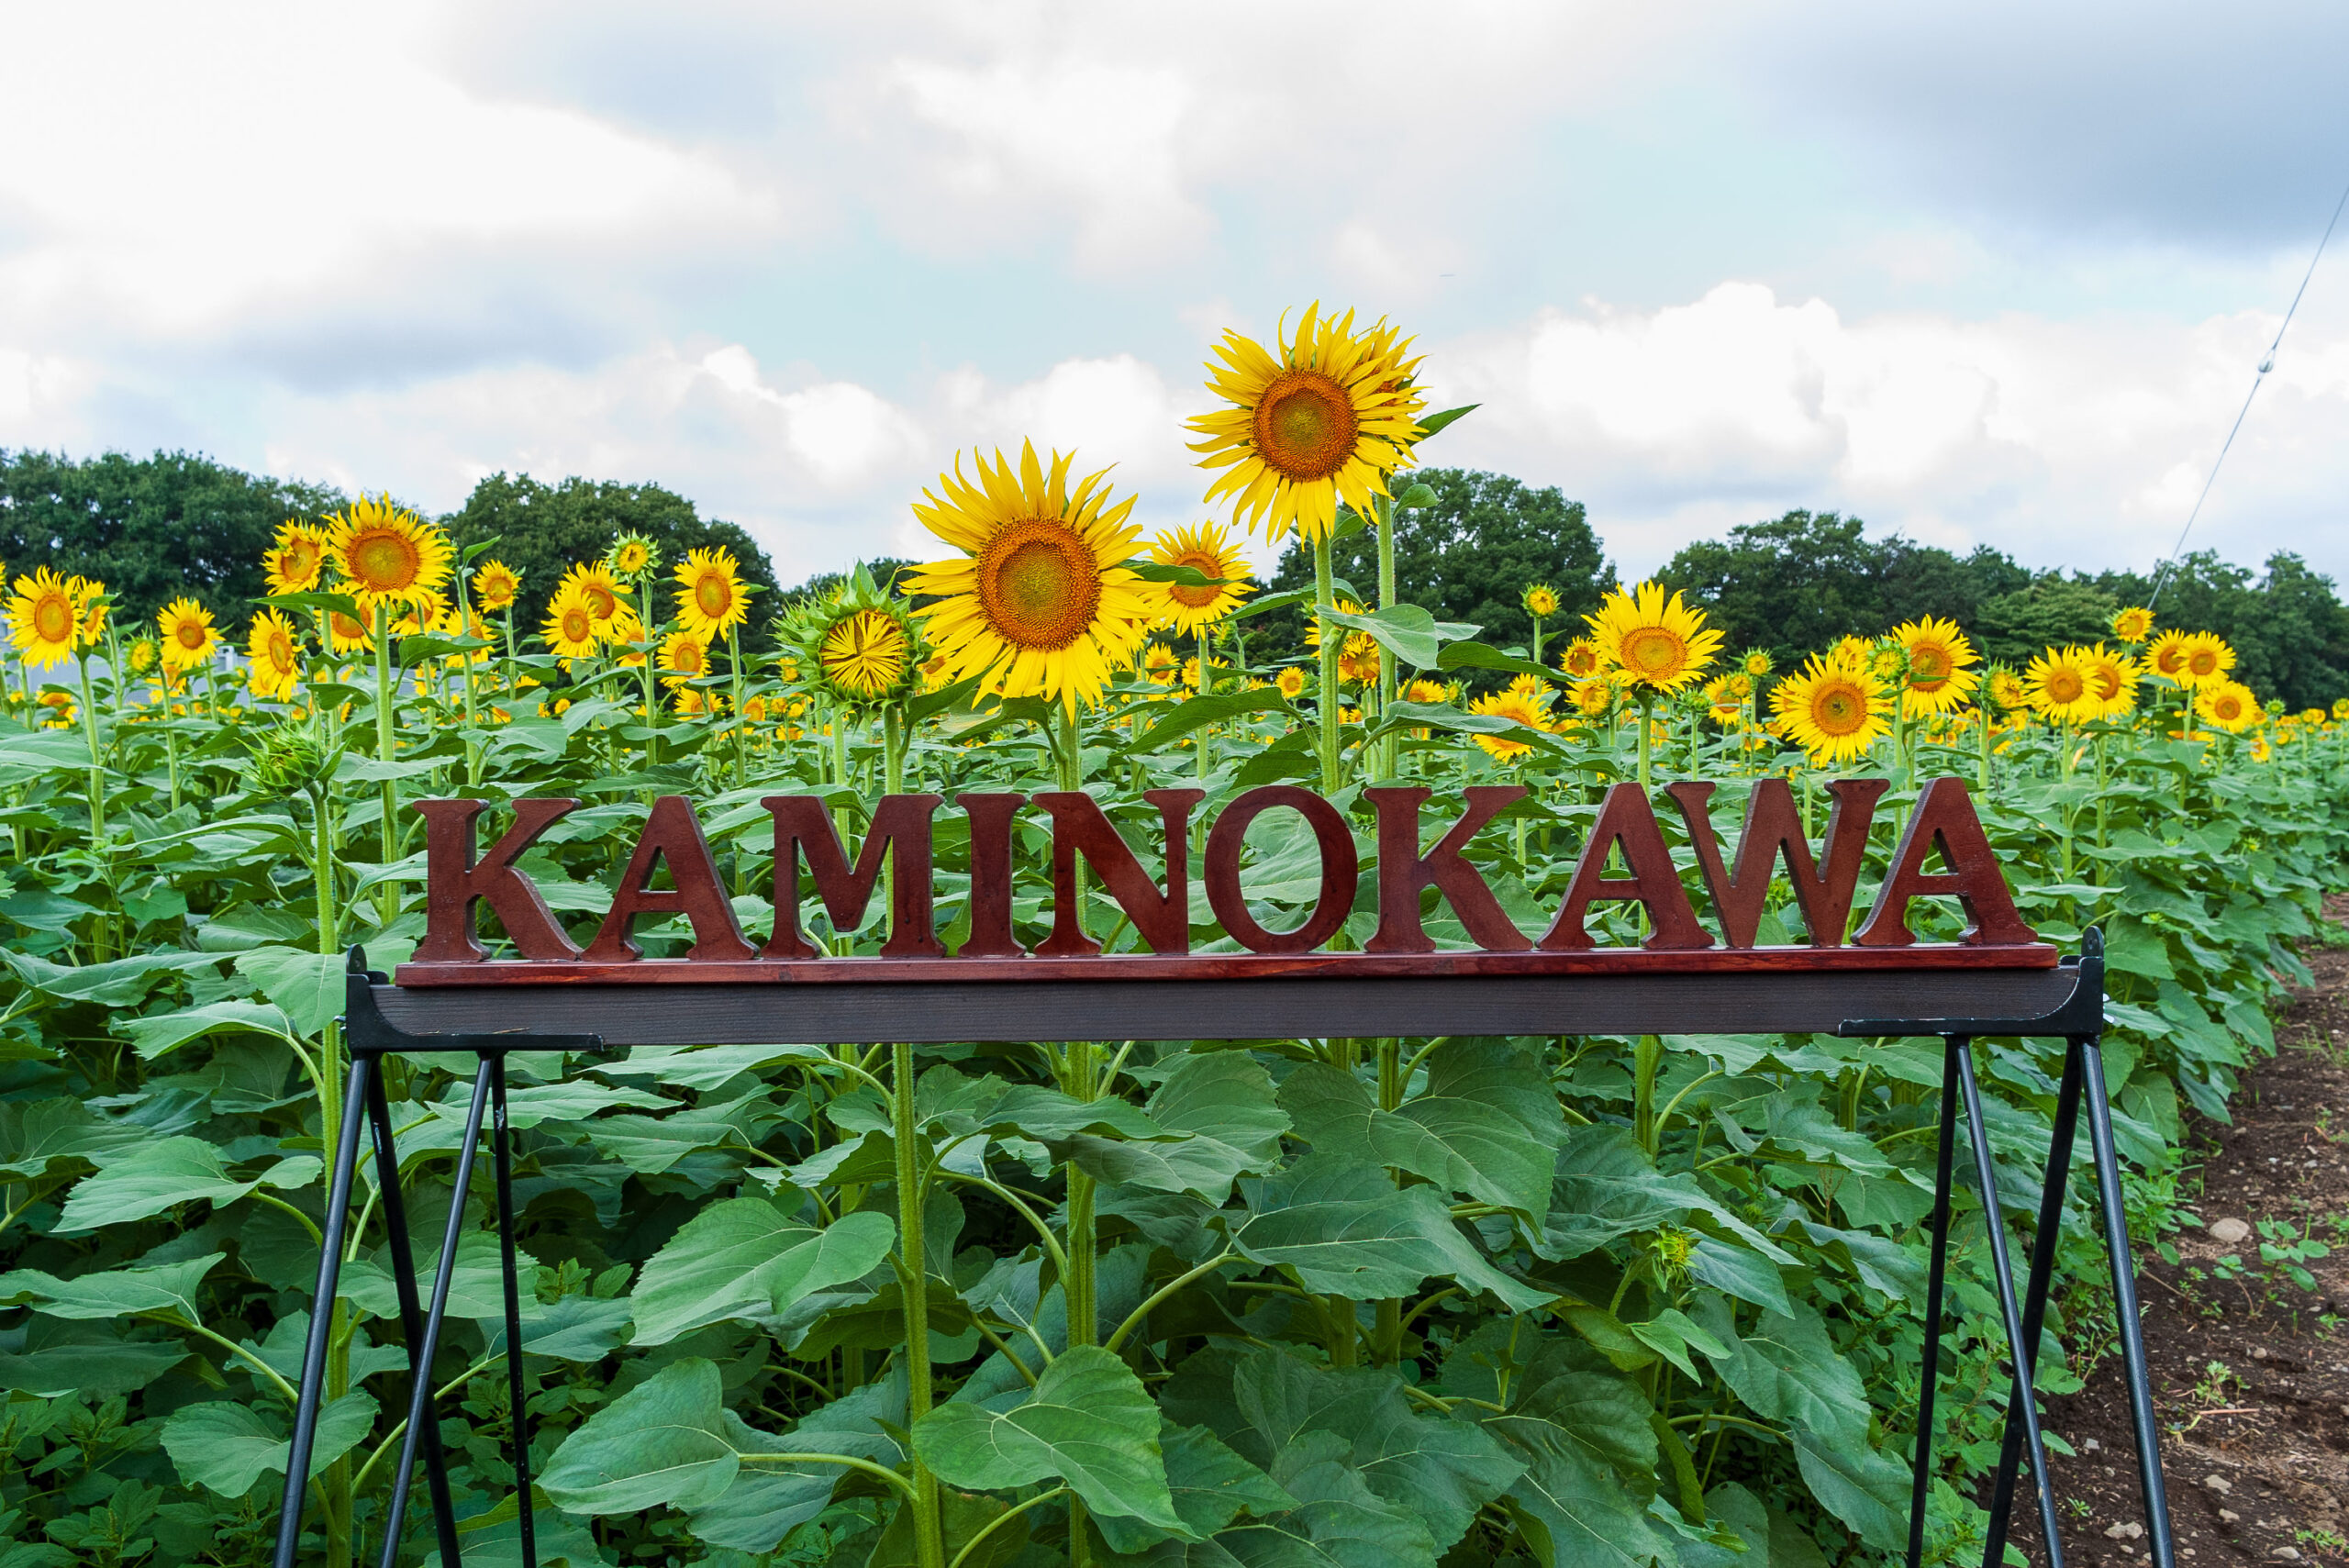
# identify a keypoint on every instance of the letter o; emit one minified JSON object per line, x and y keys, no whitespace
{"x":1340,"y":870}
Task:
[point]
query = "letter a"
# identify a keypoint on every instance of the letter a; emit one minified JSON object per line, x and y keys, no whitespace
{"x":1944,"y":816}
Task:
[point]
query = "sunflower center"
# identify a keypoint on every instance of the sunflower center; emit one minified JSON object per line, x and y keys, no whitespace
{"x":2203,"y":661}
{"x":1654,"y":651}
{"x":602,"y":602}
{"x":866,"y":652}
{"x":54,"y":618}
{"x":1305,"y":425}
{"x":578,"y":624}
{"x":1839,"y":710}
{"x":711,"y":595}
{"x":2065,"y":685}
{"x":1039,"y":583}
{"x":385,"y":563}
{"x":1206,"y":565}
{"x":189,"y":634}
{"x":2108,"y":682}
{"x":1929,"y":667}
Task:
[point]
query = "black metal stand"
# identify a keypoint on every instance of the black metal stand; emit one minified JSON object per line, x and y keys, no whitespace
{"x":1758,"y":1004}
{"x":369,"y":1041}
{"x":2080,"y":1023}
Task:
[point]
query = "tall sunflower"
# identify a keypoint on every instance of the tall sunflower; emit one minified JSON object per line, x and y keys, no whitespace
{"x":1757,"y":663}
{"x":857,"y":641}
{"x":2133,"y":624}
{"x":1854,"y":651}
{"x":1036,"y":603}
{"x":1660,"y":644}
{"x":2060,"y":687}
{"x":1832,"y":710}
{"x":2208,"y":658}
{"x":2006,"y":689}
{"x":275,"y":654}
{"x":711,"y":600}
{"x":187,"y":636}
{"x":570,"y":628}
{"x":348,"y":635}
{"x":1593,"y":698}
{"x":1290,"y":682}
{"x":495,"y":585}
{"x":1939,"y":656}
{"x":386,"y":554}
{"x":1324,"y":420}
{"x":43,"y":619}
{"x":684,"y":657}
{"x":1208,"y":549}
{"x":1583,"y":658}
{"x":600,"y":591}
{"x":297,"y":559}
{"x":632,"y":557}
{"x":1540,"y":601}
{"x":1159,"y":664}
{"x":2113,"y":678}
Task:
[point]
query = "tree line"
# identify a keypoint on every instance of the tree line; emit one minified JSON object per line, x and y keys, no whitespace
{"x":150,"y":528}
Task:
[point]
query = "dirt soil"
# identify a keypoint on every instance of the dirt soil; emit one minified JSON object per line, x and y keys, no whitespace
{"x":2250,"y":1373}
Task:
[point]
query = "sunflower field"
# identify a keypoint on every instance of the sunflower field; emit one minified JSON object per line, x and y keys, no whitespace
{"x":1347,"y":1303}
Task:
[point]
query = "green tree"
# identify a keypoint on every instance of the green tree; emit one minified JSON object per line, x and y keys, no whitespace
{"x":1467,"y":558}
{"x":541,"y":530}
{"x":2053,"y":611}
{"x":150,"y":528}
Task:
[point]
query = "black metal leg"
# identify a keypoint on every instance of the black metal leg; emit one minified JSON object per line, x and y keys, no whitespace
{"x":419,"y":1358}
{"x":1929,"y":1368}
{"x":2034,"y":1301}
{"x":419,"y":1411}
{"x":322,"y":1300}
{"x":516,"y":1390}
{"x":2018,"y":1344}
{"x":2124,"y":1304}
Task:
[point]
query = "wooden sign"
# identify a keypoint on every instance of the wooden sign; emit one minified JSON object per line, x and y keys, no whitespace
{"x":462,"y":876}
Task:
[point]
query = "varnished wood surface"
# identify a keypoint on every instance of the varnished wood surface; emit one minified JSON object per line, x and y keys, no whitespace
{"x":1124,"y":968}
{"x":1567,"y":996}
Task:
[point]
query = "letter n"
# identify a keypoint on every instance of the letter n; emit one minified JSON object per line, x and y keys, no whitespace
{"x":901,"y":825}
{"x":454,"y":881}
{"x":1944,"y":818}
{"x":1163,"y":919}
{"x":671,"y":836}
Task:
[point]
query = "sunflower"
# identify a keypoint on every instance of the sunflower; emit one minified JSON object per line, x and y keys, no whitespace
{"x":866,"y":652}
{"x":1726,"y":696}
{"x":385,"y":554}
{"x":2341,"y":708}
{"x":275,"y":655}
{"x":601,"y":591}
{"x":1834,"y":711}
{"x":2133,"y":624}
{"x":1358,"y":659}
{"x":1206,"y":549}
{"x":43,"y":619}
{"x":140,"y":655}
{"x":1851,"y":652}
{"x":2231,"y":705}
{"x":630,"y":558}
{"x":346,"y":634}
{"x":188,"y":635}
{"x":687,"y":702}
{"x":1036,"y":603}
{"x":1757,"y":663}
{"x":1938,"y":656}
{"x":570,"y":628}
{"x":684,"y":657}
{"x":297,"y":559}
{"x":857,"y":643}
{"x":1290,"y":683}
{"x":2166,"y":657}
{"x":1593,"y":698}
{"x":1325,"y":419}
{"x":1660,"y":644}
{"x":495,"y":585}
{"x":2311,"y":715}
{"x":1191,"y":671}
{"x":2113,"y":678}
{"x":711,"y":600}
{"x":1540,"y":601}
{"x":1583,"y":657}
{"x":1343,"y":605}
{"x":1528,"y":708}
{"x":1158,"y":662}
{"x":1431,"y":692}
{"x":2060,"y":687}
{"x":2208,"y":659}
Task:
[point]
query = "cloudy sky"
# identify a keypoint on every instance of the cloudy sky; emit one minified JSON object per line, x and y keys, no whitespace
{"x":1995,"y":274}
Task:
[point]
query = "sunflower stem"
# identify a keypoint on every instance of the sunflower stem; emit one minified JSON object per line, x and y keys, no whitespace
{"x":387,"y":896}
{"x":1390,"y":747}
{"x":929,"y":1546}
{"x":1646,"y":777}
{"x":1199,"y":739}
{"x":1325,"y":601}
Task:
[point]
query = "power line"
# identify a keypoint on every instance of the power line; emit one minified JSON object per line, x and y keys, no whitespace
{"x":2266,"y":364}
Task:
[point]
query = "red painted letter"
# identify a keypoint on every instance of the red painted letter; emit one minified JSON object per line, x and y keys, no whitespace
{"x":1944,"y":817}
{"x":1340,"y":870}
{"x":1773,"y":829}
{"x":1080,"y":826}
{"x":1626,"y":818}
{"x":1403,"y":872}
{"x":901,"y":826}
{"x":670,"y":836}
{"x":991,"y":933}
{"x":454,"y":883}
